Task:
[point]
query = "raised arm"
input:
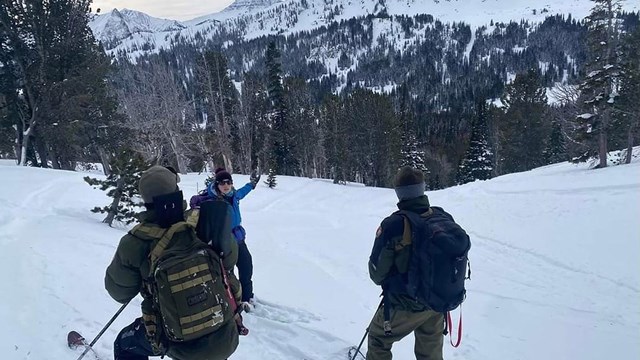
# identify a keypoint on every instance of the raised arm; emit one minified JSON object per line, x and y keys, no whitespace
{"x":243,"y":191}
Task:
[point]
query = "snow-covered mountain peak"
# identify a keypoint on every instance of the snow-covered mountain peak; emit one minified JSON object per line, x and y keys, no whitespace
{"x":137,"y":33}
{"x":251,"y":5}
{"x":118,"y":25}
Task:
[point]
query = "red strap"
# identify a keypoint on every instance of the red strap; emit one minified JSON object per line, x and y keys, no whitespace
{"x":450,"y":327}
{"x":242,"y":330}
{"x":227,"y":287}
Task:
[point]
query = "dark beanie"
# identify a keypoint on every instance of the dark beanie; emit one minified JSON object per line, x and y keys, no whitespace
{"x":222,"y":174}
{"x":157,"y":180}
{"x":409,"y":183}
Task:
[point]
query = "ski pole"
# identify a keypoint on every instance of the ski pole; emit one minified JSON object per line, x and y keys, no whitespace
{"x":90,"y":346}
{"x":355,"y":353}
{"x":365,"y":336}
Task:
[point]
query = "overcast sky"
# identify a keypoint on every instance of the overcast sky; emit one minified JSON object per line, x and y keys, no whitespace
{"x":168,"y":9}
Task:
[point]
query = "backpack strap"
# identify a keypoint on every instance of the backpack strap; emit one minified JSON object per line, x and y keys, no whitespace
{"x":150,"y":232}
{"x":406,"y":235}
{"x":166,"y":237}
{"x":192,"y":217}
{"x":409,"y":218}
{"x":448,"y":325}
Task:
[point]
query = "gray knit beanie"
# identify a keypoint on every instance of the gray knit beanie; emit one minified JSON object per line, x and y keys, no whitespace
{"x":157,"y":180}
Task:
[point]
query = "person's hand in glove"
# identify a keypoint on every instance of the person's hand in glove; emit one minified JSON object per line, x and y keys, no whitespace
{"x":254,"y":178}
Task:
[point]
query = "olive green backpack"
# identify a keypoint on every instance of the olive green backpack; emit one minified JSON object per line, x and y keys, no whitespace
{"x":186,"y":285}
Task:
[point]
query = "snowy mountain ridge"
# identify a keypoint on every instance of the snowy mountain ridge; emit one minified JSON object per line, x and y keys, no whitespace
{"x":249,"y":19}
{"x":121,"y":24}
{"x":251,"y":5}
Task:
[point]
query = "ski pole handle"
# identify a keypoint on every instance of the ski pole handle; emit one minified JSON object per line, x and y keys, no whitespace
{"x":90,"y":346}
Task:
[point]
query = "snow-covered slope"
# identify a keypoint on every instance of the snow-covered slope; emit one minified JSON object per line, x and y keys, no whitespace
{"x":122,"y":24}
{"x":254,"y":18}
{"x":555,"y":259}
{"x":250,"y":5}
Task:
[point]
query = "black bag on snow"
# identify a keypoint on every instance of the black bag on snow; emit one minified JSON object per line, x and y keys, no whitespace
{"x":438,"y":266}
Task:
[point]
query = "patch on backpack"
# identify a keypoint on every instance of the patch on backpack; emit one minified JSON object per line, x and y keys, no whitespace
{"x":197,"y":298}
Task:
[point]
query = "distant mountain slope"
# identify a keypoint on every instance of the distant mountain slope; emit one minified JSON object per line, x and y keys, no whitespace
{"x":126,"y":29}
{"x":121,"y":24}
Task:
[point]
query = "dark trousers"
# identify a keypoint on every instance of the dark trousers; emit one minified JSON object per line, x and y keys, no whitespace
{"x":426,"y":325}
{"x":245,"y":270}
{"x":132,"y":344}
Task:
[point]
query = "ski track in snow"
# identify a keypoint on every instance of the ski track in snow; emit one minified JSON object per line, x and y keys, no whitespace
{"x":283,"y":314}
{"x":502,"y":246}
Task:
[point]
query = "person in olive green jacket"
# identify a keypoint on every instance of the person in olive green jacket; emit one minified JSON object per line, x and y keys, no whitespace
{"x":388,"y":266}
{"x":130,"y":265}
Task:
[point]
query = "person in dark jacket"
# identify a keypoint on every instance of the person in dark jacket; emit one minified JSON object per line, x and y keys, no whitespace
{"x":388,"y":263}
{"x":130,"y":266}
{"x":222,"y":187}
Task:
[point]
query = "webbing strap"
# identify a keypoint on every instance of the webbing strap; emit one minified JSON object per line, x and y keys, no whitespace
{"x":190,"y":271}
{"x":407,"y":233}
{"x":449,"y":325}
{"x":201,"y":315}
{"x":151,"y":231}
{"x":164,"y":241}
{"x":242,"y":330}
{"x":427,"y":213}
{"x":386,"y":312}
{"x":227,"y":287}
{"x":149,"y":322}
{"x":192,"y":218}
{"x":218,"y":319}
{"x":191,"y":283}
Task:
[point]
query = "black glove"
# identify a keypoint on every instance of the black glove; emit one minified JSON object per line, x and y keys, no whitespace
{"x":254,"y":178}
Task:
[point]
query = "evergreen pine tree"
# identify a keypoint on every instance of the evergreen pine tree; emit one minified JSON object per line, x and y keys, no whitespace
{"x":410,"y":154}
{"x":477,"y":163}
{"x":434,"y":182}
{"x":523,"y":127}
{"x":255,"y":125}
{"x":308,"y":142}
{"x":122,"y":186}
{"x":281,"y":137}
{"x":337,"y":152}
{"x":209,"y":180}
{"x":601,"y":84}
{"x":556,"y":149}
{"x":271,"y":179}
{"x":49,"y":55}
{"x":628,"y":108}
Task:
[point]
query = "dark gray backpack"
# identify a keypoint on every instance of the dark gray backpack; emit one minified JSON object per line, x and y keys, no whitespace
{"x":438,"y":266}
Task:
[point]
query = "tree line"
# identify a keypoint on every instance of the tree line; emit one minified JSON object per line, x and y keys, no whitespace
{"x":63,"y":101}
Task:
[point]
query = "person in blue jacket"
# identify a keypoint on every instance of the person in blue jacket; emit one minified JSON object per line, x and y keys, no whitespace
{"x":222,"y":187}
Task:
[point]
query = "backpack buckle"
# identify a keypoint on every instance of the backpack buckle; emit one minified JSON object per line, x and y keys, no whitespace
{"x":387,"y":328}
